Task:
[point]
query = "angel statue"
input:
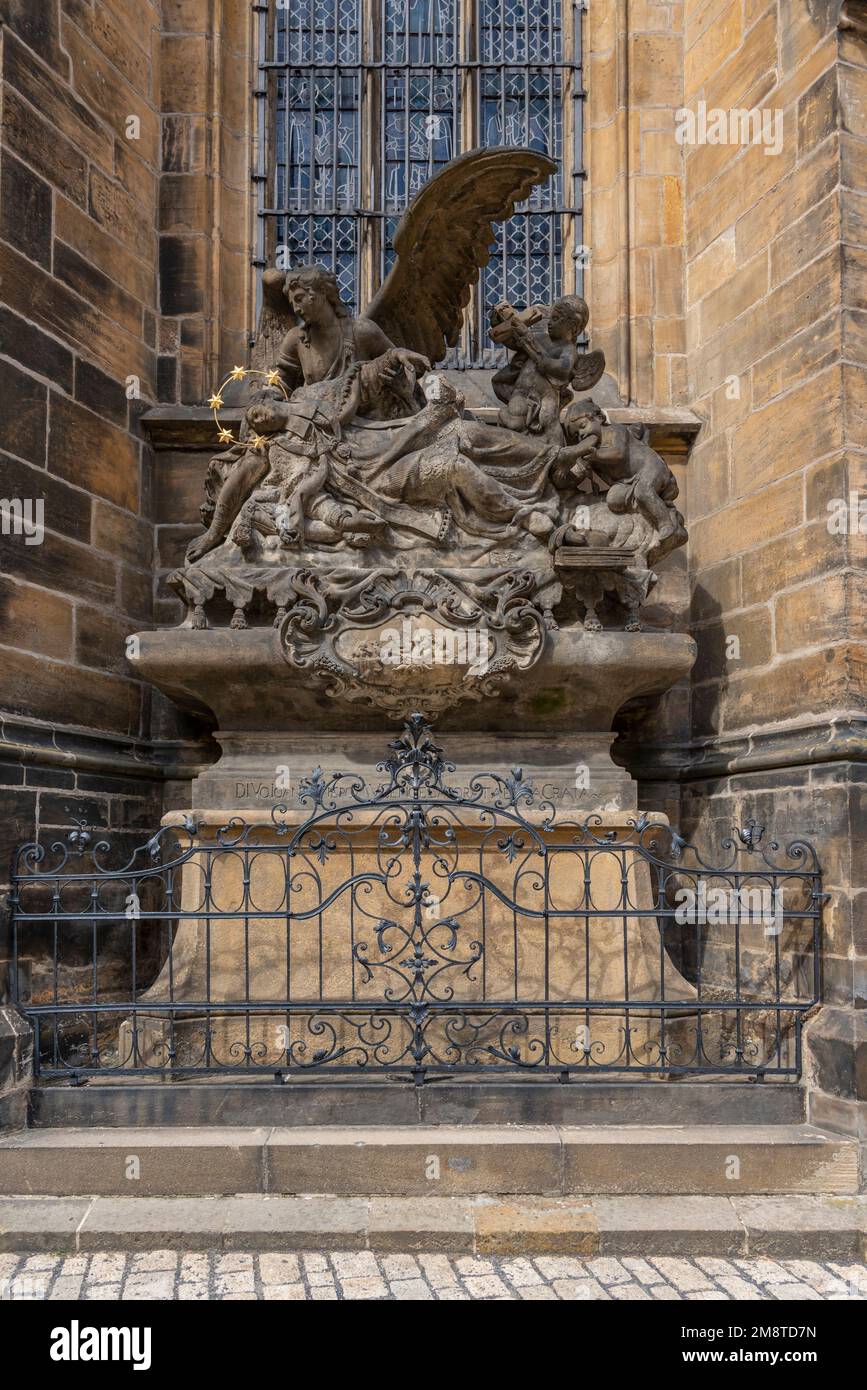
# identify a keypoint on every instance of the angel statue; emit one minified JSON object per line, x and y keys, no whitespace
{"x":376,"y":437}
{"x":547,"y":364}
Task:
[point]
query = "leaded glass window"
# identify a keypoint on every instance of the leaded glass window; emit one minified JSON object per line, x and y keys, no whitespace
{"x":362,"y":101}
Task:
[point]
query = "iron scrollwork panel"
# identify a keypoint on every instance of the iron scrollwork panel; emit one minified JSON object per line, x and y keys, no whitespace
{"x":421,"y":928}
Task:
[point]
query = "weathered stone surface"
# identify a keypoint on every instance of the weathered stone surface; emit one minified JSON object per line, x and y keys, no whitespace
{"x":682,"y":1225}
{"x":794,"y":1226}
{"x":518,"y":1228}
{"x":400,"y":1162}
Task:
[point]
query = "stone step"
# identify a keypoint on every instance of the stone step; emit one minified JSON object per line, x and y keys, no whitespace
{"x":782,"y":1227}
{"x":442,"y":1161}
{"x":530,"y":1101}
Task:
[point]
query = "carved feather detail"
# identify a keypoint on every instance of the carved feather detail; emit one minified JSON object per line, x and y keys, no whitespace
{"x":443,"y":240}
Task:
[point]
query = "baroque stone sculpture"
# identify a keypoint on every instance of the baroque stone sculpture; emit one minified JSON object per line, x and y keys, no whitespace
{"x":360,"y":488}
{"x":372,"y":547}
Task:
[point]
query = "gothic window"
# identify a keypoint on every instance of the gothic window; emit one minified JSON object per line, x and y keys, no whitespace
{"x":361,"y":101}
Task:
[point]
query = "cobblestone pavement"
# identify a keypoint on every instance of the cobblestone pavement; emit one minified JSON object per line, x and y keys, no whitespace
{"x":166,"y":1274}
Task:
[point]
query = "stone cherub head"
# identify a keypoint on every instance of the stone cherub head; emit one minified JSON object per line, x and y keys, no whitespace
{"x":568,"y":318}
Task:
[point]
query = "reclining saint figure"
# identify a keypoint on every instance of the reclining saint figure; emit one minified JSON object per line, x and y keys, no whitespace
{"x":358,"y":452}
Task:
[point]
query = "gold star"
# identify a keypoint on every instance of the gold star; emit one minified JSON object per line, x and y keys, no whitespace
{"x":259,"y":441}
{"x":226,"y":437}
{"x":273,"y":377}
{"x":238,"y":373}
{"x":216,"y":402}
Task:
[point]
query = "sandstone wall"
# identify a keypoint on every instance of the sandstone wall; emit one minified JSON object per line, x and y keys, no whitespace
{"x":776,"y":252}
{"x":79,"y":198}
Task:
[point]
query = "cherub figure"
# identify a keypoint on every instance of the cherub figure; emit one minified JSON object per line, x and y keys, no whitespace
{"x":638,"y":478}
{"x":537,"y":383}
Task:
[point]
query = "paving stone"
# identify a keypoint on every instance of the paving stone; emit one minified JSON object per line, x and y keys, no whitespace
{"x":314,"y":1261}
{"x":235,"y":1263}
{"x":348,"y":1275}
{"x":486,"y":1286}
{"x":438,"y":1270}
{"x":812,"y":1273}
{"x":41,"y":1262}
{"x":370,"y":1287}
{"x":67,"y":1287}
{"x":608,"y":1271}
{"x":682,"y":1273}
{"x":736,"y":1287}
{"x":796,"y":1291}
{"x":641,"y":1270}
{"x":158,"y":1260}
{"x":105,"y":1268}
{"x":579,"y":1289}
{"x":400,"y":1267}
{"x":764,"y":1271}
{"x":279,"y":1269}
{"x":471,"y":1266}
{"x":521,"y":1273}
{"x":355,"y":1265}
{"x":410,"y":1289}
{"x":242,"y":1282}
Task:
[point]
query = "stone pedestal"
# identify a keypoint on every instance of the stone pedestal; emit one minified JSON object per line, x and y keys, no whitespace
{"x":513,"y":980}
{"x":332,"y":926}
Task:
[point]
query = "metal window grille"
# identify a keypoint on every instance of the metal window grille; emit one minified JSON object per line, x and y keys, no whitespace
{"x":360,"y":102}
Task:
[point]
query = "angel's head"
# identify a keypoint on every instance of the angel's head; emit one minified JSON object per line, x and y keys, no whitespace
{"x":313,"y":294}
{"x":568,"y":318}
{"x":267,"y":412}
{"x":580,"y":419}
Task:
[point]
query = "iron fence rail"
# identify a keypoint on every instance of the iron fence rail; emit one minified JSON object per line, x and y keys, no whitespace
{"x":417,"y":930}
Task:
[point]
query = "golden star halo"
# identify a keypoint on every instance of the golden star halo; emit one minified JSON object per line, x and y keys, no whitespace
{"x":217,"y":402}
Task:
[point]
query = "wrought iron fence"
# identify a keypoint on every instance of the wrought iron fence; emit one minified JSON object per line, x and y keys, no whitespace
{"x":420,"y":929}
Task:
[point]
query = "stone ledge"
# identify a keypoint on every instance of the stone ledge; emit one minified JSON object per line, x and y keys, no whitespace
{"x":431,"y":1161}
{"x":817,"y":1227}
{"x":840,"y":738}
{"x":672,"y":428}
{"x":528,"y":1100}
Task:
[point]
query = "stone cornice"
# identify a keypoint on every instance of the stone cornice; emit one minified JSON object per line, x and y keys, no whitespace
{"x":841,"y":739}
{"x":672,"y":428}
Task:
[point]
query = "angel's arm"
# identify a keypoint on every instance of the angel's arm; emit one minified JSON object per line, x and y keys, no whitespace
{"x":314,"y":481}
{"x":373,"y":342}
{"x":556,"y":367}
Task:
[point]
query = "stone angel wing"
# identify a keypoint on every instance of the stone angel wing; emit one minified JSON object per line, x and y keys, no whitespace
{"x":444,"y":239}
{"x":275,"y":321}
